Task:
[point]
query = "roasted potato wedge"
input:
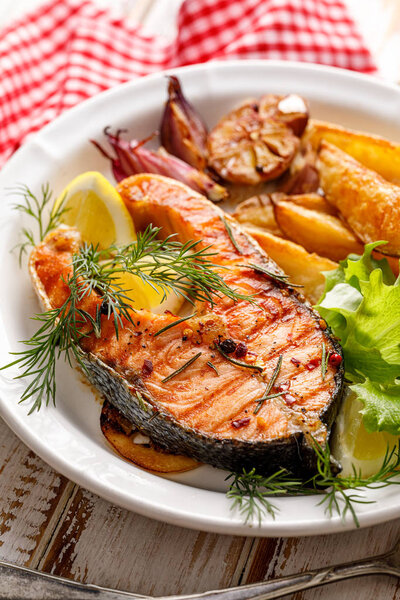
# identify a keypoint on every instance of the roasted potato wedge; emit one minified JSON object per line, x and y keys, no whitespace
{"x":258,"y":211}
{"x":366,"y":201}
{"x":118,"y":432}
{"x":312,"y":201}
{"x":302,"y":267}
{"x":316,"y":231}
{"x":372,"y":151}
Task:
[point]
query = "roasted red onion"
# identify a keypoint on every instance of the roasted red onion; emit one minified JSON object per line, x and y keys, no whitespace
{"x":131,"y":158}
{"x":183,"y":132}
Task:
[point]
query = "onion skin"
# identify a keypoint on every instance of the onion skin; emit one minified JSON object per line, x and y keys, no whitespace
{"x":182,"y":130}
{"x":131,"y":158}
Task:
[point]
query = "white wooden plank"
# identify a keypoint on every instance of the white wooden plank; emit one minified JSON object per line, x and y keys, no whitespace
{"x":30,"y":493}
{"x":103,"y":544}
{"x":272,"y":558}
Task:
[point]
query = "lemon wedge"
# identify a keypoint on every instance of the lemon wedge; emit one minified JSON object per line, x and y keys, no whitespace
{"x":143,"y":295}
{"x":95,"y":208}
{"x":353,"y":445}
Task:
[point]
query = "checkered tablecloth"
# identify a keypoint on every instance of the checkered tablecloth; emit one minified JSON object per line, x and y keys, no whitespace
{"x":69,"y":50}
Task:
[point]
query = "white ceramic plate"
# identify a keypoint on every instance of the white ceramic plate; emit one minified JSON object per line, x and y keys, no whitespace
{"x":68,"y":437}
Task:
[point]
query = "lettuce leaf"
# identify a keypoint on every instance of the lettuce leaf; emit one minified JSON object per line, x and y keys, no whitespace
{"x":361,"y":304}
{"x":381,"y":410}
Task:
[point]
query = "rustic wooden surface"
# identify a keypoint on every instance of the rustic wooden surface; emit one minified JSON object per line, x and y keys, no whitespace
{"x":49,"y":523}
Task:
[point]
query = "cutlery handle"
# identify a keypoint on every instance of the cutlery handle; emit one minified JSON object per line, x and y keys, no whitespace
{"x":277,"y":588}
{"x":20,"y":583}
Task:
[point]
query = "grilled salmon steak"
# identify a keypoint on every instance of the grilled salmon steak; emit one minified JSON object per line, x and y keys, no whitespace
{"x":210,"y":410}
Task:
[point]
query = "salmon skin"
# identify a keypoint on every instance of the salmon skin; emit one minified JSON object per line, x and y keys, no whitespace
{"x":207,"y":410}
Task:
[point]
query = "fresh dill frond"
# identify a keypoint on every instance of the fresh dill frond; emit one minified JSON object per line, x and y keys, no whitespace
{"x":337,"y":496}
{"x":250,"y":492}
{"x":39,"y":210}
{"x":164,"y":264}
{"x":63,"y":328}
{"x":170,"y":266}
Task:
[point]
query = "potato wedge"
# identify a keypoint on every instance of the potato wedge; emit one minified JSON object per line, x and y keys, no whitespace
{"x":258,"y":211}
{"x":367,"y":202}
{"x":372,"y":151}
{"x":312,"y":201}
{"x":315,"y":231}
{"x":118,"y":432}
{"x":302,"y":267}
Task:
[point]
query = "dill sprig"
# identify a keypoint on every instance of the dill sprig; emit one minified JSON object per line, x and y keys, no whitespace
{"x":164,"y":264}
{"x":38,"y":210}
{"x":168,"y":265}
{"x":250,"y":491}
{"x":63,"y":328}
{"x":336,"y":497}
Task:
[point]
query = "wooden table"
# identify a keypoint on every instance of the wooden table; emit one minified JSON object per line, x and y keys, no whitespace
{"x":51,"y":524}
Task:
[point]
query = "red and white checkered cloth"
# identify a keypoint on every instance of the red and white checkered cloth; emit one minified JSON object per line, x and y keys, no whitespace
{"x":69,"y":50}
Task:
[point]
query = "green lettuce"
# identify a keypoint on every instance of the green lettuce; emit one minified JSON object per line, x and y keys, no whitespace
{"x":361,"y":304}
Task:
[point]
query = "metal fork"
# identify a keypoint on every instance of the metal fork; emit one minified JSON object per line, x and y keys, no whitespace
{"x":20,"y":583}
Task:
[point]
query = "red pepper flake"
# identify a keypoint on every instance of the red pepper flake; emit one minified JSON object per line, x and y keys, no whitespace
{"x":313,"y":364}
{"x":335,"y":359}
{"x":147,"y":368}
{"x":295,"y":361}
{"x":241,"y":350}
{"x":289,"y":399}
{"x":241,"y":423}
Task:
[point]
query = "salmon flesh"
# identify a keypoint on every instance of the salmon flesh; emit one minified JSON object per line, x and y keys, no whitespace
{"x":207,"y":411}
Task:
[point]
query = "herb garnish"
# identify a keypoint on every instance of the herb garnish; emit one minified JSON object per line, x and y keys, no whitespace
{"x":271,"y":383}
{"x":236,"y":362}
{"x":324,"y":361}
{"x":166,"y":265}
{"x":230,"y":234}
{"x":213,"y":367}
{"x":38,"y":210}
{"x":279,"y":277}
{"x":250,"y":491}
{"x":160,"y":331}
{"x":182,"y":368}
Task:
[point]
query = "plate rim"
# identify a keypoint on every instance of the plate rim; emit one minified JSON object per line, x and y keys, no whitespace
{"x":227,"y":525}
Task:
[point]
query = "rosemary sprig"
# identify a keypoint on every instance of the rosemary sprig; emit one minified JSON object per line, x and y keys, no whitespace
{"x":270,"y":385}
{"x":230,"y":234}
{"x":177,"y":322}
{"x":250,"y":491}
{"x":324,"y":361}
{"x":37,"y":209}
{"x":182,"y":368}
{"x":279,"y":277}
{"x":236,"y":362}
{"x":213,"y":367}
